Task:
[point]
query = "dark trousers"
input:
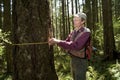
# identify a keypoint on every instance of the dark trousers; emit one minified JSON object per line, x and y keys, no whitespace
{"x":78,"y":68}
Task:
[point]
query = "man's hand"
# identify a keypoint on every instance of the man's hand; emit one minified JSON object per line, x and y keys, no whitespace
{"x":53,"y":41}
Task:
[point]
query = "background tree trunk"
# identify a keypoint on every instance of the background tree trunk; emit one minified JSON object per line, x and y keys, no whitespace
{"x":88,"y":11}
{"x":79,"y":5}
{"x":109,"y":42}
{"x":68,"y":18}
{"x":117,"y":9}
{"x":7,"y":28}
{"x":31,"y":22}
{"x":0,"y":14}
{"x":100,"y":11}
{"x":63,"y":19}
{"x":76,"y":6}
{"x":56,"y":19}
{"x":95,"y":21}
{"x":72,"y":10}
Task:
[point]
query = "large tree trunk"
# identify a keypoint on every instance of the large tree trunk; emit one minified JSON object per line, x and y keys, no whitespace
{"x":109,"y":42}
{"x":31,"y":22}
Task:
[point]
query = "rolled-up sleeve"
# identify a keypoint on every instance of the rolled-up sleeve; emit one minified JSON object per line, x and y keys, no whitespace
{"x":75,"y":45}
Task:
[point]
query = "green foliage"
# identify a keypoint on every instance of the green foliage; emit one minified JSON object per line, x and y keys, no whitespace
{"x":4,"y":37}
{"x":116,"y":25}
{"x":3,"y":40}
{"x":117,"y":33}
{"x":101,"y":70}
{"x":1,"y":50}
{"x":91,"y":73}
{"x":5,"y":77}
{"x":98,"y":37}
{"x":62,"y":64}
{"x":115,"y":70}
{"x":117,"y":42}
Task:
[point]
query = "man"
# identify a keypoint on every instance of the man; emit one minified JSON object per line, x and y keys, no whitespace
{"x":75,"y":45}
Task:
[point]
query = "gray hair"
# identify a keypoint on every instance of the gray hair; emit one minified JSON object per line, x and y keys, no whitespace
{"x":81,"y":15}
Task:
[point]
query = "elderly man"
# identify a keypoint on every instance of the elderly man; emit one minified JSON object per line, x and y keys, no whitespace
{"x":75,"y":45}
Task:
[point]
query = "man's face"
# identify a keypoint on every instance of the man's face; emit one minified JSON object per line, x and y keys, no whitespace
{"x":77,"y":22}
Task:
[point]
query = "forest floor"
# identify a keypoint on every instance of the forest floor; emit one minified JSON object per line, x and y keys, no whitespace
{"x":97,"y":69}
{"x":103,"y":70}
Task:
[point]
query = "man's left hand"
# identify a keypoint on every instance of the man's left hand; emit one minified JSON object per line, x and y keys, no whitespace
{"x":53,"y":41}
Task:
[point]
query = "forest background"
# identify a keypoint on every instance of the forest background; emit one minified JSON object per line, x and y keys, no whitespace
{"x":26,"y":25}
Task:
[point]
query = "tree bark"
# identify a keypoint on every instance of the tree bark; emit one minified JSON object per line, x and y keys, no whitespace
{"x":88,"y":11}
{"x":31,"y":22}
{"x":72,"y":10}
{"x":76,"y":6}
{"x":117,"y":9}
{"x":63,"y":19}
{"x":109,"y":41}
{"x":0,"y":14}
{"x":100,"y":12}
{"x":7,"y":28}
{"x":68,"y":18}
{"x":79,"y":5}
{"x":56,"y":20}
{"x":95,"y":21}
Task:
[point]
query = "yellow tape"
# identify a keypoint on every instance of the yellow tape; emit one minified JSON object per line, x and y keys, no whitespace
{"x":22,"y":44}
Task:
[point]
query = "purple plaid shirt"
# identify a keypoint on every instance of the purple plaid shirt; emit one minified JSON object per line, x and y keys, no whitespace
{"x":75,"y":45}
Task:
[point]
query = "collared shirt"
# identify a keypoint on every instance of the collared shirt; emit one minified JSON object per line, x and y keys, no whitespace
{"x":68,"y":44}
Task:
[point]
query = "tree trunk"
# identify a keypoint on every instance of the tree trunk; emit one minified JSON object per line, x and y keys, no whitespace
{"x":56,"y":19}
{"x":31,"y":21}
{"x":100,"y":11}
{"x":88,"y":11}
{"x":109,"y":42}
{"x":117,"y":9}
{"x":0,"y":14}
{"x":7,"y":28}
{"x":95,"y":21}
{"x":79,"y":5}
{"x":94,"y":14}
{"x":68,"y":18}
{"x":76,"y":6}
{"x":72,"y":10}
{"x":63,"y":19}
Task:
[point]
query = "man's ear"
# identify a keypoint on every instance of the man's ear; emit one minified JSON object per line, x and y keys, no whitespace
{"x":83,"y":21}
